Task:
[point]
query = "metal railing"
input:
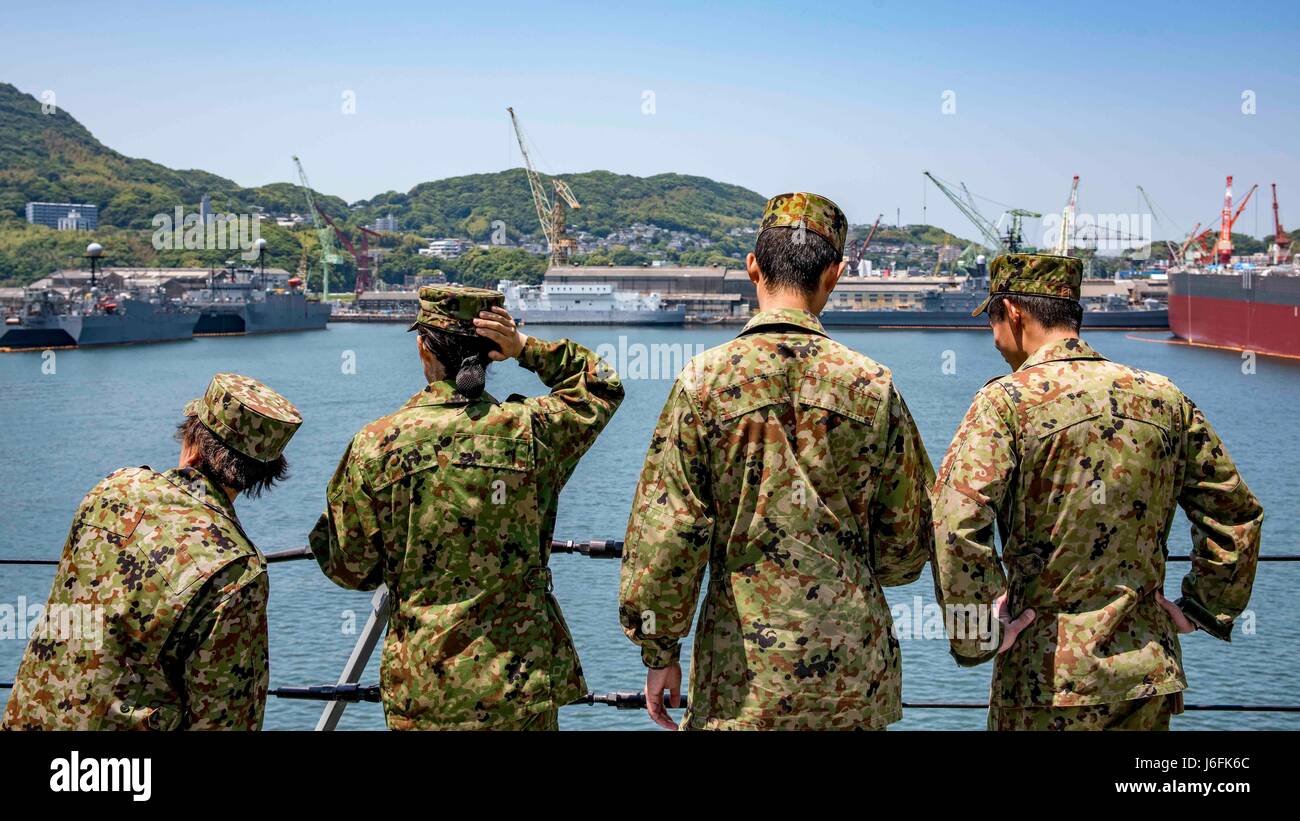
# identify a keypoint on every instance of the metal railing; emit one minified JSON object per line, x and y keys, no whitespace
{"x":348,"y":691}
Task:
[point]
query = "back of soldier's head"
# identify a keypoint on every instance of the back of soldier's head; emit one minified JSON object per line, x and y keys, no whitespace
{"x":237,"y":432}
{"x":802,"y":234}
{"x":793,"y":260}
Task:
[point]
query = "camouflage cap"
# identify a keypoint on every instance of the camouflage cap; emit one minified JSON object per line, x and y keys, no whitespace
{"x":811,"y":211}
{"x":453,"y":308}
{"x":1033,"y":275}
{"x":246,"y":415}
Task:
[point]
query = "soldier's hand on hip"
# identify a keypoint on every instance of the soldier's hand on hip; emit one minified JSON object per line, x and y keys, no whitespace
{"x":499,"y":326}
{"x":1011,"y":627}
{"x":1181,"y":621}
{"x":656,"y":681}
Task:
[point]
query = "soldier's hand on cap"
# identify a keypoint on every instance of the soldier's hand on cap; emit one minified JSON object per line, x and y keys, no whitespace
{"x":1011,"y":627}
{"x":656,"y":681}
{"x":1181,"y":621}
{"x":499,"y":326}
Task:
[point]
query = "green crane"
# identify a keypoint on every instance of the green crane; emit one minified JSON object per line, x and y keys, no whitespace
{"x":328,"y":255}
{"x":998,"y":243}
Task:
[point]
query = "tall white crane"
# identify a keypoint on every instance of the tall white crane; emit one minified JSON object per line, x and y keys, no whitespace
{"x":1067,"y":220}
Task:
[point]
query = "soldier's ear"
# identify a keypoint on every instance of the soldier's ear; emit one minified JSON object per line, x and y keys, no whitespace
{"x":751,"y":268}
{"x":834,"y":272}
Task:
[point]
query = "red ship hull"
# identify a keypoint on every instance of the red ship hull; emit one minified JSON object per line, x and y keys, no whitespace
{"x":1248,"y":312}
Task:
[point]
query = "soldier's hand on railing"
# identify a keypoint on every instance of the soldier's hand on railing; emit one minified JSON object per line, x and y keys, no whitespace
{"x":1011,"y":627}
{"x":656,"y":681}
{"x":1181,"y":621}
{"x":498,"y":326}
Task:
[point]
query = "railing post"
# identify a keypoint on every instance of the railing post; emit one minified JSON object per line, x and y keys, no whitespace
{"x":365,"y":647}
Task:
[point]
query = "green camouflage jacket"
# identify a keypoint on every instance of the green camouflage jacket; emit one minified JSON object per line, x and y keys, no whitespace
{"x":789,"y":466}
{"x":451,"y":504}
{"x":1081,"y":463}
{"x":157,"y":616}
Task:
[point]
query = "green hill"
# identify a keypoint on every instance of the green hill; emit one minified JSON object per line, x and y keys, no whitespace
{"x":467,"y":206}
{"x":53,"y":158}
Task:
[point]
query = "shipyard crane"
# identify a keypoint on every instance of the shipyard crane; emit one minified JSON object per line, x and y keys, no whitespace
{"x":1192,"y":237}
{"x":986,"y":228}
{"x":1281,"y":239}
{"x":1011,"y":242}
{"x":1067,"y":220}
{"x":1227,"y":220}
{"x":1169,"y":246}
{"x":550,"y":213}
{"x":362,"y":257}
{"x":328,"y":255}
{"x":860,"y":250}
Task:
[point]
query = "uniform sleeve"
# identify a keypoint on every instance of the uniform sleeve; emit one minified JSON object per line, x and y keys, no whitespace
{"x":968,"y":493}
{"x":219,"y":650}
{"x":346,"y":540}
{"x":902,"y":530}
{"x":1226,"y":521}
{"x":668,"y":537}
{"x":585,"y":392}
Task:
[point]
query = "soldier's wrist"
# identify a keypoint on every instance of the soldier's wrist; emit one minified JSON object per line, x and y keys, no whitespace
{"x":530,"y":354}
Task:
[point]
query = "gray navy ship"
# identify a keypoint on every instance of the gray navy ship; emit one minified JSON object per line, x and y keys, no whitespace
{"x":52,"y":319}
{"x":951,"y":308}
{"x":245,"y":301}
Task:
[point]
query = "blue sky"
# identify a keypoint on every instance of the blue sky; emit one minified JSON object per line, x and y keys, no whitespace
{"x":843,"y":99}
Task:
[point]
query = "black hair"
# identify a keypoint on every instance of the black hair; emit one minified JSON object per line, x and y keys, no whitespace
{"x":794,"y":258}
{"x":1053,"y":313}
{"x":227,"y":466}
{"x":464,"y":358}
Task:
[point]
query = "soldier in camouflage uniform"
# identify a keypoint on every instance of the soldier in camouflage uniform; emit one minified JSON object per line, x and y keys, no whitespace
{"x":450,"y":502}
{"x":789,"y":466}
{"x":157,"y":616}
{"x":1081,"y":462}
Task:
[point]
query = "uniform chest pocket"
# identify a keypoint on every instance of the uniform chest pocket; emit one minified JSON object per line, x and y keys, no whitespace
{"x":853,"y":401}
{"x":1058,"y":415}
{"x":111,"y":519}
{"x":472,"y":522}
{"x":756,"y":393}
{"x":1153,"y":416}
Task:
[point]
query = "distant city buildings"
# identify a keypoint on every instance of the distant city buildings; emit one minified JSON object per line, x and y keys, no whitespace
{"x":205,"y":210}
{"x":64,"y":216}
{"x":388,"y":223}
{"x":446,"y":248}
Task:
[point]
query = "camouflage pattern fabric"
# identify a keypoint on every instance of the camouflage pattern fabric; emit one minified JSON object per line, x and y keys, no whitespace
{"x":1081,"y":463}
{"x":789,"y":466}
{"x":247,"y":415}
{"x":157,"y":616}
{"x":1033,"y":275}
{"x":454,"y":307}
{"x":810,"y":211}
{"x":451,"y":503}
{"x":1142,"y":714}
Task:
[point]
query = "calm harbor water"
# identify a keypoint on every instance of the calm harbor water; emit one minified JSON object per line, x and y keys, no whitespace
{"x":62,"y":432}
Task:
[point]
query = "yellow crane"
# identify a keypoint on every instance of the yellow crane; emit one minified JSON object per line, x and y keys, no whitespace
{"x":549,"y":214}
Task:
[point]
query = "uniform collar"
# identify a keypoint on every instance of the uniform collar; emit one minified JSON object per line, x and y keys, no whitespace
{"x":1061,"y":350}
{"x":444,"y":393}
{"x":201,"y":487}
{"x":786,"y":316}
